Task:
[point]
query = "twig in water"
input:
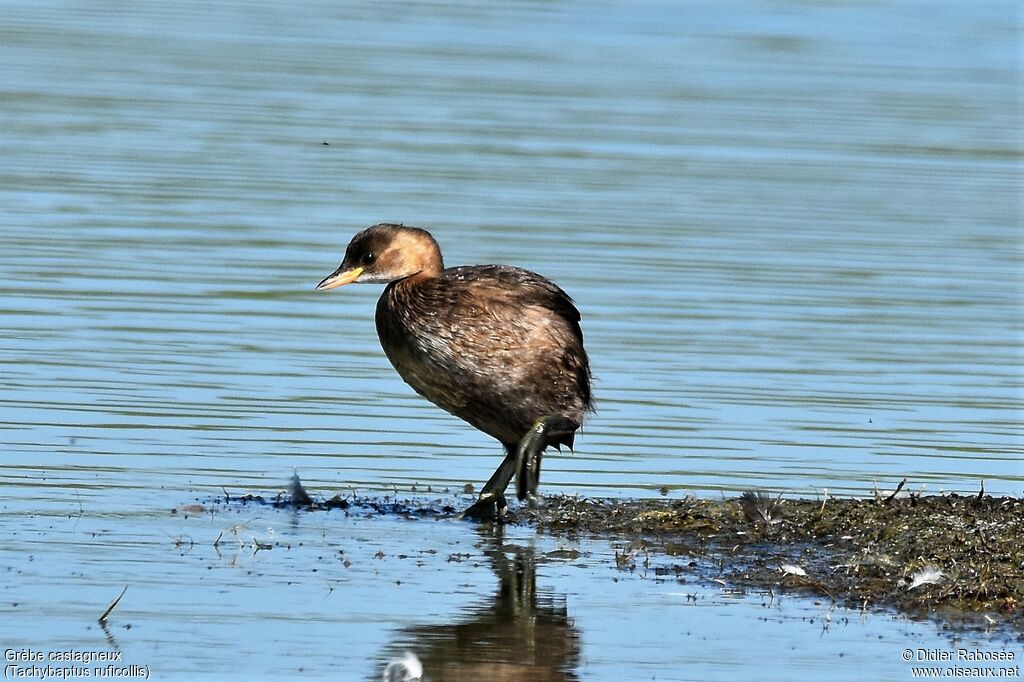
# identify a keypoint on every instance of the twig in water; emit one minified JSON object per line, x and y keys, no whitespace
{"x":181,"y":540}
{"x":235,"y":531}
{"x":103,"y":618}
{"x":895,"y":492}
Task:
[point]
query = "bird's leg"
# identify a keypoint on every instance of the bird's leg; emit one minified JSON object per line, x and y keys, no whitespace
{"x":491,"y":505}
{"x":531,"y":448}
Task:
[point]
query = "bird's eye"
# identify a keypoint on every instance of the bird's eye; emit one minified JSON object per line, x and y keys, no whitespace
{"x":368,"y":258}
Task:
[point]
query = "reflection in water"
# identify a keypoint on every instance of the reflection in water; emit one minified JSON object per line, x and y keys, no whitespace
{"x":514,"y":635}
{"x":111,"y":640}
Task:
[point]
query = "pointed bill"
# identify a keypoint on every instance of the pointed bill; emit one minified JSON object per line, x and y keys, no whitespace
{"x":339,"y":278}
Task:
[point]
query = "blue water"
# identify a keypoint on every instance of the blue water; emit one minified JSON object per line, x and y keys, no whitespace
{"x":793,"y":230}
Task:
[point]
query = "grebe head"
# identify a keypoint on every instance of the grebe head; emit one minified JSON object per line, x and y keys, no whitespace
{"x":384,"y":253}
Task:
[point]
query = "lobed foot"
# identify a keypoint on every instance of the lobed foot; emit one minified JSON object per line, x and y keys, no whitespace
{"x":490,"y":507}
{"x":531,"y":448}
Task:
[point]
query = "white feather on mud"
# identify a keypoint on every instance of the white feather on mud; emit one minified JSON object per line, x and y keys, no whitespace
{"x":929,"y":575}
{"x":760,"y":507}
{"x":405,"y":669}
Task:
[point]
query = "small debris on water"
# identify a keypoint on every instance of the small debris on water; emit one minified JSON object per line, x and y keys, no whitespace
{"x":337,"y":502}
{"x":259,"y":544}
{"x":300,"y":498}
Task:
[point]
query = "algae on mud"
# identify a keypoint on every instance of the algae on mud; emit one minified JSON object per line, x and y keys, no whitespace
{"x":859,"y":552}
{"x":953,"y":557}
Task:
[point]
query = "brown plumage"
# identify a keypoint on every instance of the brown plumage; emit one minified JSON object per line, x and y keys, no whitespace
{"x":497,"y":346}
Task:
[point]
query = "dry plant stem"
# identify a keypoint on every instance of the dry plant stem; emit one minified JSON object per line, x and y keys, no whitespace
{"x":103,"y":618}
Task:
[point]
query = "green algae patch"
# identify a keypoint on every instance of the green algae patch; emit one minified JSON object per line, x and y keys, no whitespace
{"x":960,"y":558}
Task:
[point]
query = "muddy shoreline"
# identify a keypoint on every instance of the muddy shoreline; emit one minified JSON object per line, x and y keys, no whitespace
{"x":960,"y":559}
{"x":952,"y":558}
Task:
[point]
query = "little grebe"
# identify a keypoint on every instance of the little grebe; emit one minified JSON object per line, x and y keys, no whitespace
{"x":497,"y":346}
